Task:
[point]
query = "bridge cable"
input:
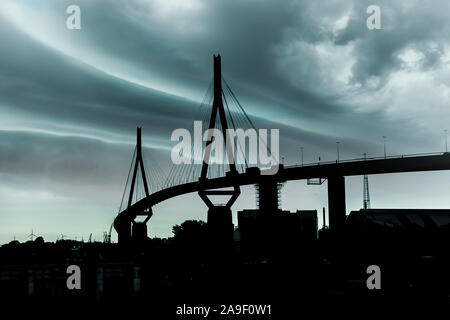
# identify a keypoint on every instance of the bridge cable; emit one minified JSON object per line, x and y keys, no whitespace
{"x":240,"y":119}
{"x":177,"y":172}
{"x":234,"y":127}
{"x":246,"y":115}
{"x":128,"y":178}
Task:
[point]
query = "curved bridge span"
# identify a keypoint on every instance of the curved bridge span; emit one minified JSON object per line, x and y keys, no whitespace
{"x":334,"y":172}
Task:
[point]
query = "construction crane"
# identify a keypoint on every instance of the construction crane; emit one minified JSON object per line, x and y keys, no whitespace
{"x":366,"y":195}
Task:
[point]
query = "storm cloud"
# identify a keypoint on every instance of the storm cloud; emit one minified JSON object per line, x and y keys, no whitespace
{"x":70,"y":100}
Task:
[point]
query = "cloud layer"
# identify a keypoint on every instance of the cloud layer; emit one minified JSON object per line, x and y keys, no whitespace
{"x":70,"y":99}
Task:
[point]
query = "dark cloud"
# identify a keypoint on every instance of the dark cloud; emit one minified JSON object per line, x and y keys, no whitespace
{"x":421,"y":27}
{"x":68,"y":166}
{"x":176,"y":48}
{"x":70,"y":100}
{"x":46,"y":86}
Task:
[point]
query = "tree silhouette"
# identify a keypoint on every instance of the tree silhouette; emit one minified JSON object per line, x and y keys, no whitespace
{"x":190,"y":231}
{"x":191,"y":239}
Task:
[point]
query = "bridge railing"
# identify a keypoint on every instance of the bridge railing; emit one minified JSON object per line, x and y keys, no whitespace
{"x":366,"y":158}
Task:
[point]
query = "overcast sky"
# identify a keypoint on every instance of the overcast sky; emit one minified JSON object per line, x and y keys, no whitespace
{"x":70,"y":100}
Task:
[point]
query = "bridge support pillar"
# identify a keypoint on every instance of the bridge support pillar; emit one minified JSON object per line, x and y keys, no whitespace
{"x":220,"y":231}
{"x":122,"y":224}
{"x":220,"y":223}
{"x":139,"y":232}
{"x":336,"y":202}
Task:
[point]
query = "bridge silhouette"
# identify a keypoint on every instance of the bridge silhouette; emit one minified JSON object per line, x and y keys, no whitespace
{"x":219,"y":217}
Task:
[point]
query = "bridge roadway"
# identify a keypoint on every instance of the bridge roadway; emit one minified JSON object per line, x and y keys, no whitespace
{"x":334,"y":172}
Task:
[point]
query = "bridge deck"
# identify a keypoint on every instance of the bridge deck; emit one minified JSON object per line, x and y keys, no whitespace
{"x":325,"y":170}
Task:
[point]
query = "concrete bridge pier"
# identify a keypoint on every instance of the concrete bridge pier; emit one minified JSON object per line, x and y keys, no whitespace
{"x":336,"y":202}
{"x":139,"y":232}
{"x":123,"y":225}
{"x":220,"y":223}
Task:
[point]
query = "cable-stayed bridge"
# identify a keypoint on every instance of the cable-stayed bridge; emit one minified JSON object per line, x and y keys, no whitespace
{"x":222,"y":110}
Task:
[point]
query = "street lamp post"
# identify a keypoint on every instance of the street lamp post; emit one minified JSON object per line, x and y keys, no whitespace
{"x":384,"y":144}
{"x":301,"y":150}
{"x":445,"y":133}
{"x":337,"y":149}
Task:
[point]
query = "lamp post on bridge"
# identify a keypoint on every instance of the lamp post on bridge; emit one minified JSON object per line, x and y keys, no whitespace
{"x":384,"y":145}
{"x":301,"y":151}
{"x":445,"y":135}
{"x":337,"y":149}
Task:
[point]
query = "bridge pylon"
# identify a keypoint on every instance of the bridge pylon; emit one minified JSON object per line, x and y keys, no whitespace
{"x":219,"y":217}
{"x":127,"y":228}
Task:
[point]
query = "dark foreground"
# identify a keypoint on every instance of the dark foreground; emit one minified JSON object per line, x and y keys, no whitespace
{"x":162,"y":276}
{"x":286,"y":277}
